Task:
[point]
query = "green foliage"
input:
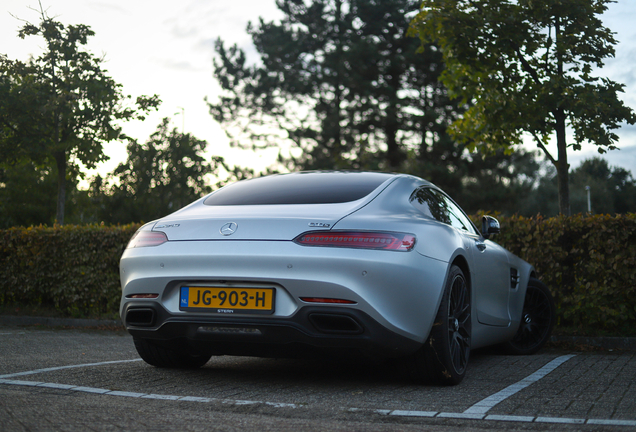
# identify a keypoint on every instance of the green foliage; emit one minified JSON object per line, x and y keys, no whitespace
{"x":28,"y":196}
{"x":587,"y":261}
{"x":526,"y":67}
{"x":340,"y":81}
{"x":160,"y":176}
{"x":506,"y":182}
{"x":60,"y":107}
{"x":72,"y":268}
{"x":612,"y":191}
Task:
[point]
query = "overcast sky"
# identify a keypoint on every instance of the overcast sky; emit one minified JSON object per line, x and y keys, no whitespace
{"x":166,"y":47}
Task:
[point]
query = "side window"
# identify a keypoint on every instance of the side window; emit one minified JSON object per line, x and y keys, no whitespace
{"x":458,"y":218}
{"x":438,"y":206}
{"x":431,"y":204}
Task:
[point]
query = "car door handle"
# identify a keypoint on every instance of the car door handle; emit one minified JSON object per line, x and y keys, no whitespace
{"x":480,"y":245}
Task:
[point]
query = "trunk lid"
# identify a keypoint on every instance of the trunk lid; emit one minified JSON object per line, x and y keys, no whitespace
{"x":252,"y":222}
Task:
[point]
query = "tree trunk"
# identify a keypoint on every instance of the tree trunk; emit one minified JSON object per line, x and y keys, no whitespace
{"x":337,"y":135}
{"x":563,"y":168}
{"x":60,"y":161}
{"x":391,"y":125}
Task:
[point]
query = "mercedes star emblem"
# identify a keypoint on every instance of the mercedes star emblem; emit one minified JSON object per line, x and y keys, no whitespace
{"x":229,"y":228}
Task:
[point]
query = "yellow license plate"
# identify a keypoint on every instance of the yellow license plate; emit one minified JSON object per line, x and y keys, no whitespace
{"x":227,"y":300}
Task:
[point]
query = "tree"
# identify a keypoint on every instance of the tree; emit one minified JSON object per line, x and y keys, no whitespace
{"x":28,"y":196}
{"x":612,"y":189}
{"x":60,"y":108}
{"x":499,"y":182}
{"x":527,"y":67}
{"x":161,"y":176}
{"x":341,"y":81}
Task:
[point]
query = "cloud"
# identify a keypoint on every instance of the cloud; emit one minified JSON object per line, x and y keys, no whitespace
{"x":624,"y":157}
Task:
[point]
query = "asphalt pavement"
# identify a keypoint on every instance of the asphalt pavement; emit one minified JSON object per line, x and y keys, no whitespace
{"x":57,"y":378}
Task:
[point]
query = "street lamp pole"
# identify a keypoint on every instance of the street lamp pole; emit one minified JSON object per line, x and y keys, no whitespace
{"x":589,"y":200}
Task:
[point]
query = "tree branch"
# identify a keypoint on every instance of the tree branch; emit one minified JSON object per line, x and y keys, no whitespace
{"x":543,"y":148}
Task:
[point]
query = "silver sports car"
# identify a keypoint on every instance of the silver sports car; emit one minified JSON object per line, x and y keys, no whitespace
{"x":331,"y":263}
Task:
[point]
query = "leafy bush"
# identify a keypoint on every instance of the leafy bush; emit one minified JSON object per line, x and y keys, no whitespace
{"x":589,"y":263}
{"x":73,"y":268}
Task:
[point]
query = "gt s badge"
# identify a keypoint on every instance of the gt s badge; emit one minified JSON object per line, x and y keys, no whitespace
{"x":168,"y":226}
{"x":319,"y":225}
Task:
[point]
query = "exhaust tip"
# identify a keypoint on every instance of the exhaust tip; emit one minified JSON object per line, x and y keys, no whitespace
{"x":140,"y":317}
{"x":335,"y":323}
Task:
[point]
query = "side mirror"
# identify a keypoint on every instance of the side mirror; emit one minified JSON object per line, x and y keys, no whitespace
{"x":489,"y":226}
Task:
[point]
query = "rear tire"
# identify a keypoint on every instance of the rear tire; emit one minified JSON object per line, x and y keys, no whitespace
{"x":162,"y":357}
{"x":444,"y":357}
{"x":537,"y":320}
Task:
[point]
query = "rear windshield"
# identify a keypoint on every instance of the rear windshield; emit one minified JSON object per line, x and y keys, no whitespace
{"x":299,"y":188}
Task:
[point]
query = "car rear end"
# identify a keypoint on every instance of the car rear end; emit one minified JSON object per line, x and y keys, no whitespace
{"x":272,"y":279}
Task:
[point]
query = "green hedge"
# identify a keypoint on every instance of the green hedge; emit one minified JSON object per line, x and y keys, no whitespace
{"x":589,"y":262}
{"x":72,"y":268}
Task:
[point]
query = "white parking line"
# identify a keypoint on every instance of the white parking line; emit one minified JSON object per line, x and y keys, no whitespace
{"x":476,"y":412}
{"x":484,"y":405}
{"x":143,"y":395}
{"x":37,"y":371}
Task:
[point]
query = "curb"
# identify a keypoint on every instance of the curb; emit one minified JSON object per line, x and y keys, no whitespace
{"x":620,"y":343}
{"x":10,"y":320}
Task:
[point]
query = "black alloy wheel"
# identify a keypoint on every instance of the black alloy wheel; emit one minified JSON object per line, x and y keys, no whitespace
{"x":537,"y":320}
{"x":459,"y":323}
{"x":444,"y":357}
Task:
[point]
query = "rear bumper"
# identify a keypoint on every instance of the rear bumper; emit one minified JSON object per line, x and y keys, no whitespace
{"x":310,"y":331}
{"x":396,"y":294}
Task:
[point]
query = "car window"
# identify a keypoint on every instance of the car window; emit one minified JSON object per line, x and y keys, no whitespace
{"x":431,"y":203}
{"x":458,"y":218}
{"x":434,"y":204}
{"x":299,"y":188}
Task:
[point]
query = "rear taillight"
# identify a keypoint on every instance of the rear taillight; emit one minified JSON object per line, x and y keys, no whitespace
{"x":147,"y":238}
{"x":358,"y":239}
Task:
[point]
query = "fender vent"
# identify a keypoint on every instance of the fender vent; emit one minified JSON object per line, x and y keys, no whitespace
{"x":514,"y":278}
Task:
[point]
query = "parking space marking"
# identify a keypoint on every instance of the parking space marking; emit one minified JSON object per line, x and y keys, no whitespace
{"x":37,"y":371}
{"x":514,"y":418}
{"x":411,"y":413}
{"x":484,"y":405}
{"x":559,"y":420}
{"x":107,"y":392}
{"x":499,"y":418}
{"x":476,"y":412}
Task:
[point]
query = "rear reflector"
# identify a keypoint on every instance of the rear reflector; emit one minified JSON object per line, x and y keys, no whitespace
{"x":147,"y":238}
{"x":326,"y":300}
{"x":146,"y":296}
{"x":355,"y":239}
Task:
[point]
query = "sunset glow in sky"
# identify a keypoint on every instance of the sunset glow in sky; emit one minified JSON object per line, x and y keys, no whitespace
{"x":166,"y":47}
